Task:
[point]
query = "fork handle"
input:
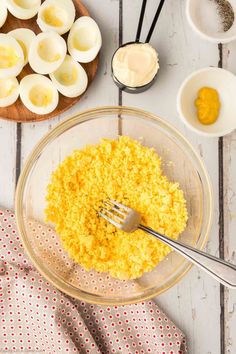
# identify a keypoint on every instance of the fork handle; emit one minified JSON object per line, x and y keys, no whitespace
{"x":222,"y":271}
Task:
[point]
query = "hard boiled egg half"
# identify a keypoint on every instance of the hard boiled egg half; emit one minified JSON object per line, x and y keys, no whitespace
{"x":56,"y":15}
{"x":24,"y":37}
{"x":9,"y":91}
{"x":11,"y":56}
{"x":23,"y":9}
{"x":3,"y":13}
{"x":47,"y":52}
{"x":84,"y":40}
{"x":70,"y":78}
{"x":38,"y":94}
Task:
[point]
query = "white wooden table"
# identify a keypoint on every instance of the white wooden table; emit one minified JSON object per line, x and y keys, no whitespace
{"x":203,"y":309}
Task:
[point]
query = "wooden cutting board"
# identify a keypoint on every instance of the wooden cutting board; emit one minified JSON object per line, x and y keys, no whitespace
{"x":18,"y":112}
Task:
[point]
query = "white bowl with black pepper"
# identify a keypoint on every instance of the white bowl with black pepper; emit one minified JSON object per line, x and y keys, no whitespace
{"x":213,"y":20}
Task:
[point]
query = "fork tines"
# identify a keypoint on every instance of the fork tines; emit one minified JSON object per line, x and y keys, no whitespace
{"x":113,"y":212}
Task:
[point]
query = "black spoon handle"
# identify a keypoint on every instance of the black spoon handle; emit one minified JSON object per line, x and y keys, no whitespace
{"x":154,"y":21}
{"x":140,"y":23}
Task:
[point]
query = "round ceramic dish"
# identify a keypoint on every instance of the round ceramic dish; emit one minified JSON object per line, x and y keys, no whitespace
{"x":225,"y":83}
{"x":180,"y":163}
{"x":196,"y":17}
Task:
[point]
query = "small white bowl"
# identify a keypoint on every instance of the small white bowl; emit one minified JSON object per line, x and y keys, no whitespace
{"x":225,"y":83}
{"x":197,"y":16}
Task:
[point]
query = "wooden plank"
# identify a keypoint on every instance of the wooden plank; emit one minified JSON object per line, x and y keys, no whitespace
{"x":197,"y":297}
{"x":230,"y":239}
{"x":7,"y":162}
{"x":230,"y":213}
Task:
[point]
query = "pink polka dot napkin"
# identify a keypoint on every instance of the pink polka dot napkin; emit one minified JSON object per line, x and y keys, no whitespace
{"x":36,"y":317}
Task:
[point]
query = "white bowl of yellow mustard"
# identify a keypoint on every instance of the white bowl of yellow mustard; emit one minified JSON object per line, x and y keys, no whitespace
{"x":206,"y":102}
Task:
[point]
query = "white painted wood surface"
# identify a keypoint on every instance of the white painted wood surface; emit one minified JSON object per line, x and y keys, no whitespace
{"x":230,"y":212}
{"x":194,"y":304}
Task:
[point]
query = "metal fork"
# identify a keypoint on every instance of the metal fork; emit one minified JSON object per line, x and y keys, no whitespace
{"x":129,"y":220}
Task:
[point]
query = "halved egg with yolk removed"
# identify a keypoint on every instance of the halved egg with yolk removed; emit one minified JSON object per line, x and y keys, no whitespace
{"x":70,"y":78}
{"x":84,"y":40}
{"x":47,"y":52}
{"x":56,"y":15}
{"x":38,"y":94}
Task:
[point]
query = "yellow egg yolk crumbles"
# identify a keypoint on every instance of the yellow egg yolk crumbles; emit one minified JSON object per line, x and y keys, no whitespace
{"x":130,"y":173}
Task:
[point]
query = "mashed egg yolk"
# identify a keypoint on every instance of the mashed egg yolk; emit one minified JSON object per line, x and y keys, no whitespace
{"x":130,"y":173}
{"x":8,"y":57}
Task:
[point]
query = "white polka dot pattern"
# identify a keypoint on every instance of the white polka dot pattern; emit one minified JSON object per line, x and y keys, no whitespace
{"x":48,"y":248}
{"x":35,"y":317}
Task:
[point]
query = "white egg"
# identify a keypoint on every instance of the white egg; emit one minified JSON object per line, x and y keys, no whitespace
{"x":11,"y":56}
{"x":38,"y":94}
{"x":23,"y":9}
{"x":9,"y":91}
{"x":3,"y":13}
{"x":56,"y":15}
{"x":24,"y":37}
{"x":70,"y":78}
{"x":47,"y":52}
{"x":84,"y":40}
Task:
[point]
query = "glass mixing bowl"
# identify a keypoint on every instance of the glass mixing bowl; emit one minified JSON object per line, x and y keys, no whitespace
{"x":179,"y":162}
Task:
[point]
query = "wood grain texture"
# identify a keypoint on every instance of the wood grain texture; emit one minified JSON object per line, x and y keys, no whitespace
{"x":18,"y":112}
{"x":230,"y":238}
{"x":229,"y":147}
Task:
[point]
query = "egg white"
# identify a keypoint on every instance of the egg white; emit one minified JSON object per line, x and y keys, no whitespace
{"x":47,"y":52}
{"x":8,"y":47}
{"x":23,"y":9}
{"x":84,"y":40}
{"x":24,"y":37}
{"x":9,"y":91}
{"x":3,"y":13}
{"x":38,"y":94}
{"x":70,"y":78}
{"x":56,"y":15}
